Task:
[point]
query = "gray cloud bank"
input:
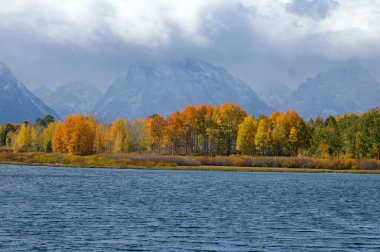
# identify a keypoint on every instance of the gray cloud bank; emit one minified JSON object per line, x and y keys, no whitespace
{"x":263,"y":42}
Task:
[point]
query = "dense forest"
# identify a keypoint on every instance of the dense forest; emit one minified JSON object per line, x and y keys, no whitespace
{"x":203,"y":130}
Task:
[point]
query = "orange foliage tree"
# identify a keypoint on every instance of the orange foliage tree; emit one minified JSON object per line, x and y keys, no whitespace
{"x":155,"y":132}
{"x":174,"y":130}
{"x":75,"y":136}
{"x":204,"y":129}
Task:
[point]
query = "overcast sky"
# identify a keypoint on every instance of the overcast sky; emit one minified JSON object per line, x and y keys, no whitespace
{"x":265,"y":43}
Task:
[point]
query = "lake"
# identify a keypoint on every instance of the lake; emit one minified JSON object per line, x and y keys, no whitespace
{"x":45,"y":208}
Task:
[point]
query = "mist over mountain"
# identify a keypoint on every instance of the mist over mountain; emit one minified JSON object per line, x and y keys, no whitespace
{"x":347,"y":89}
{"x":42,"y":92}
{"x":70,"y":98}
{"x":17,"y":103}
{"x":276,"y":96}
{"x":164,"y":88}
{"x":168,"y":87}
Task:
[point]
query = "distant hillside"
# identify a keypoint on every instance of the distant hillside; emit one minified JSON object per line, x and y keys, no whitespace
{"x":165,"y":88}
{"x":17,"y":103}
{"x":71,"y":98}
{"x":349,"y":89}
{"x":42,"y":92}
{"x":275,"y":96}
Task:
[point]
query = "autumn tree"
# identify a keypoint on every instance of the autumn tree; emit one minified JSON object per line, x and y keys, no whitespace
{"x":245,"y":142}
{"x":102,"y":141}
{"x":2,"y":128}
{"x":263,"y":135}
{"x":4,"y":134}
{"x":34,"y":138}
{"x":227,"y":120}
{"x":293,"y":138}
{"x":76,"y":135}
{"x":278,"y":138}
{"x":205,"y":114}
{"x":175,"y":131}
{"x":204,"y":129}
{"x":155,"y":132}
{"x":333,"y":137}
{"x":137,"y":136}
{"x":47,"y":138}
{"x":23,"y":138}
{"x":349,"y":126}
{"x":369,"y":128}
{"x":58,"y":141}
{"x":189,"y":123}
{"x":120,"y":135}
{"x":326,"y":139}
{"x":274,"y":116}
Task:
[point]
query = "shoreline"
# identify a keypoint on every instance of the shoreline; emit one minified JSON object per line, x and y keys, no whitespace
{"x":200,"y":168}
{"x":192,"y":163}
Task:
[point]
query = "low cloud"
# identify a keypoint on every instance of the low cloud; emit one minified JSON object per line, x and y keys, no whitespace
{"x":334,"y":29}
{"x":317,"y":9}
{"x":263,"y":42}
{"x":153,"y":24}
{"x":85,"y":23}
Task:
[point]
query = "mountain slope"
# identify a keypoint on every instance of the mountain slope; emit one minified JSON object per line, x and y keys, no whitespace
{"x":166,"y":88}
{"x":348,"y":89}
{"x":275,"y":96}
{"x":17,"y":103}
{"x":71,"y":98}
{"x":42,"y":92}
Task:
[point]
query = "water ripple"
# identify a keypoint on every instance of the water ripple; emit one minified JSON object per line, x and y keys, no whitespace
{"x":116,"y":210}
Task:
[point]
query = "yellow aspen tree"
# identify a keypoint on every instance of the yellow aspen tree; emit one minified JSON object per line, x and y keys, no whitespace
{"x":46,"y":138}
{"x":279,"y":138}
{"x":102,"y":139}
{"x":293,"y":135}
{"x":293,"y":139}
{"x":262,"y":138}
{"x":34,"y":138}
{"x":118,"y":142}
{"x":120,"y":135}
{"x":227,"y":119}
{"x":2,"y":128}
{"x":245,"y":142}
{"x":127,"y":139}
{"x":23,"y":137}
{"x":12,"y":141}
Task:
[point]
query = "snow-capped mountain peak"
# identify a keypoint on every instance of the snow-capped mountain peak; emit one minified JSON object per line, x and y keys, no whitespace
{"x":71,"y":98}
{"x":170,"y":86}
{"x":349,"y":88}
{"x":4,"y":69}
{"x":17,"y":103}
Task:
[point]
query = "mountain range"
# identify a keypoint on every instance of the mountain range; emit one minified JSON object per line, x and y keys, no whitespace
{"x":17,"y":103}
{"x":168,"y":87}
{"x":70,"y":98}
{"x":348,"y":89}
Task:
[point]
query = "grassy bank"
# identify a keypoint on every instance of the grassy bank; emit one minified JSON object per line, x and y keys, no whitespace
{"x":198,"y":163}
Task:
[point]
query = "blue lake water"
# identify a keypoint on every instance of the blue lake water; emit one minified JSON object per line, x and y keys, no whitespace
{"x":138,"y":210}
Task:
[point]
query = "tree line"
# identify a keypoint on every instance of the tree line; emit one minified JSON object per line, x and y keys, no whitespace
{"x":203,"y":130}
